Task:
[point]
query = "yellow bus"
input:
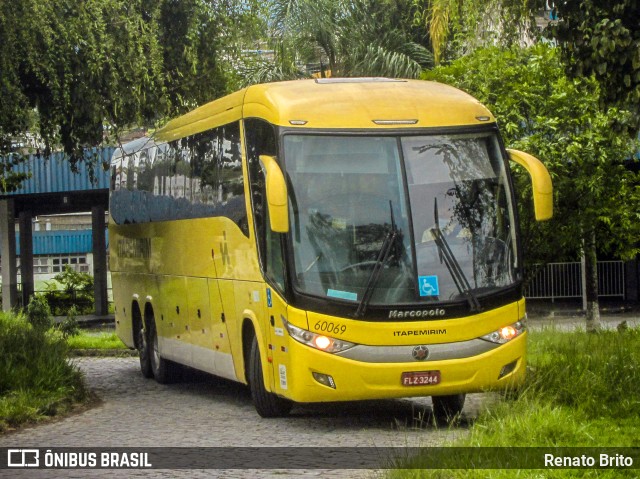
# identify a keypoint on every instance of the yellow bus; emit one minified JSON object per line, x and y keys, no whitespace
{"x":325,"y":240}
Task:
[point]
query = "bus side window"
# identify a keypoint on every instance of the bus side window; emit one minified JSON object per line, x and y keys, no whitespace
{"x":261,"y":140}
{"x":216,"y":175}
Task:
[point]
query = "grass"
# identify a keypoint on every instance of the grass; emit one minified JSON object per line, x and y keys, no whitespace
{"x":36,"y":380}
{"x":596,"y":374}
{"x":583,"y":390}
{"x":99,"y":340}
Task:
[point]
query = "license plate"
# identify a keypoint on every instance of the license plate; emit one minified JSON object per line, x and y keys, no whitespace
{"x":420,"y":378}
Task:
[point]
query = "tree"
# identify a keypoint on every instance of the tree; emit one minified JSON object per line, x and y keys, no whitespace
{"x":77,"y":73}
{"x":603,"y":39}
{"x":457,"y":27}
{"x":376,"y":40}
{"x":201,"y":41}
{"x":560,"y":120}
{"x":346,"y":38}
{"x":81,"y":67}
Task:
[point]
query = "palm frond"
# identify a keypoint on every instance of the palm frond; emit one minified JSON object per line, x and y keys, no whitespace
{"x":439,"y":26}
{"x":384,"y":54}
{"x":282,"y":13}
{"x":269,"y":71}
{"x":376,"y":60}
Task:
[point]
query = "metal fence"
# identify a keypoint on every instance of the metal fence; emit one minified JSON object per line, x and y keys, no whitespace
{"x":564,"y":280}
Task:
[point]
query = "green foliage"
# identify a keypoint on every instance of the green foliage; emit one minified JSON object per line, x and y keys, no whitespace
{"x":99,"y":340}
{"x":91,"y":69}
{"x":596,"y":374}
{"x":69,"y":327}
{"x":346,"y":38}
{"x":458,"y":27}
{"x":542,"y":111}
{"x":76,"y":67}
{"x":10,"y":180}
{"x":36,"y":379}
{"x":75,"y":281}
{"x":39,"y":314}
{"x":200,"y":41}
{"x":603,"y":39}
{"x":77,"y":293}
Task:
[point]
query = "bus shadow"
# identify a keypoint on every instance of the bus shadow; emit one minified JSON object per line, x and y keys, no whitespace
{"x":398,"y":414}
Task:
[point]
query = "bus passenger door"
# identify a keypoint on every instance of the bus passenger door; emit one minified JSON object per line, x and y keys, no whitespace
{"x":278,"y":352}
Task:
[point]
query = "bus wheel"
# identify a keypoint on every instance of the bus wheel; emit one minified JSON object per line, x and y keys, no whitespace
{"x":266,"y":403}
{"x":144,"y":352}
{"x":162,"y":368}
{"x":447,"y":409}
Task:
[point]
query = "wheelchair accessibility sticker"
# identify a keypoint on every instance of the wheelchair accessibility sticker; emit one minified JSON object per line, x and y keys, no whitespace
{"x":428,"y":285}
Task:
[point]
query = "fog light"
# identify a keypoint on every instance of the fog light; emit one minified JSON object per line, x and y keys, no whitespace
{"x":507,"y":369}
{"x":324,"y":379}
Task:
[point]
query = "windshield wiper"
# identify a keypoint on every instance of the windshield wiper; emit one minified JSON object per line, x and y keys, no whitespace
{"x":383,"y":255}
{"x":446,"y":255}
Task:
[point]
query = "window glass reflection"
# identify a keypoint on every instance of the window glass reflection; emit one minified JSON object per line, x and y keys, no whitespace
{"x":458,"y":187}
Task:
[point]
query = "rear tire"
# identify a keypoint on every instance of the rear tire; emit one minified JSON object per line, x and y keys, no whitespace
{"x":162,"y":368}
{"x":447,"y":409}
{"x":144,"y":353}
{"x":266,"y":403}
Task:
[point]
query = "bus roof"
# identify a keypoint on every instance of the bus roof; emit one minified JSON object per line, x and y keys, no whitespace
{"x":344,"y":103}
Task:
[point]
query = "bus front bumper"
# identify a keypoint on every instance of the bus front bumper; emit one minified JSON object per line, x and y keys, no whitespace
{"x":350,"y":380}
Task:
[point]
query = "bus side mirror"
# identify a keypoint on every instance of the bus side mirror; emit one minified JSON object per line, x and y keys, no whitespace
{"x":276,"y":194}
{"x":541,"y":180}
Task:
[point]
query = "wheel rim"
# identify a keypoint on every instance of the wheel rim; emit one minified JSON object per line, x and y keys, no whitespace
{"x":142,"y":341}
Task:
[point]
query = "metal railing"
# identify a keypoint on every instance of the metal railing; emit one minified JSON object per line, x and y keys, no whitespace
{"x":564,"y":280}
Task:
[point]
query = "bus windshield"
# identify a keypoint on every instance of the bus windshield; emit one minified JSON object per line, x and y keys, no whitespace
{"x":432,"y":214}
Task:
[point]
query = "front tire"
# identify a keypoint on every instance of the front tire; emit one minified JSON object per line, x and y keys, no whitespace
{"x":447,"y":409}
{"x":266,"y":403}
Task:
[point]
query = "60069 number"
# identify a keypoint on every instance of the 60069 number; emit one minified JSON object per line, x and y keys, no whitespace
{"x":329,"y":327}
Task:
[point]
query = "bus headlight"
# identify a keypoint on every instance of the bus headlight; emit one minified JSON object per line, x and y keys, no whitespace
{"x":506,"y":333}
{"x":317,"y":341}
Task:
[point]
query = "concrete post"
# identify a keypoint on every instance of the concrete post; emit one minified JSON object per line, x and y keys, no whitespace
{"x":632,"y":280}
{"x":26,"y":256}
{"x":99,"y":260}
{"x":583,"y":276}
{"x":8,"y":251}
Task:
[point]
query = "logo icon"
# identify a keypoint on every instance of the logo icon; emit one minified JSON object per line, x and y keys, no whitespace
{"x":420,"y":353}
{"x":428,"y":286}
{"x":23,"y":458}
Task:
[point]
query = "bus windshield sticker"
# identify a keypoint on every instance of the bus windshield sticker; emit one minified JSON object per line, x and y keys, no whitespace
{"x":333,"y":293}
{"x":428,"y":285}
{"x":269,"y":302}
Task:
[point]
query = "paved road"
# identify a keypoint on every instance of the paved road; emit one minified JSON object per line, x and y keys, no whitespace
{"x":204,"y":411}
